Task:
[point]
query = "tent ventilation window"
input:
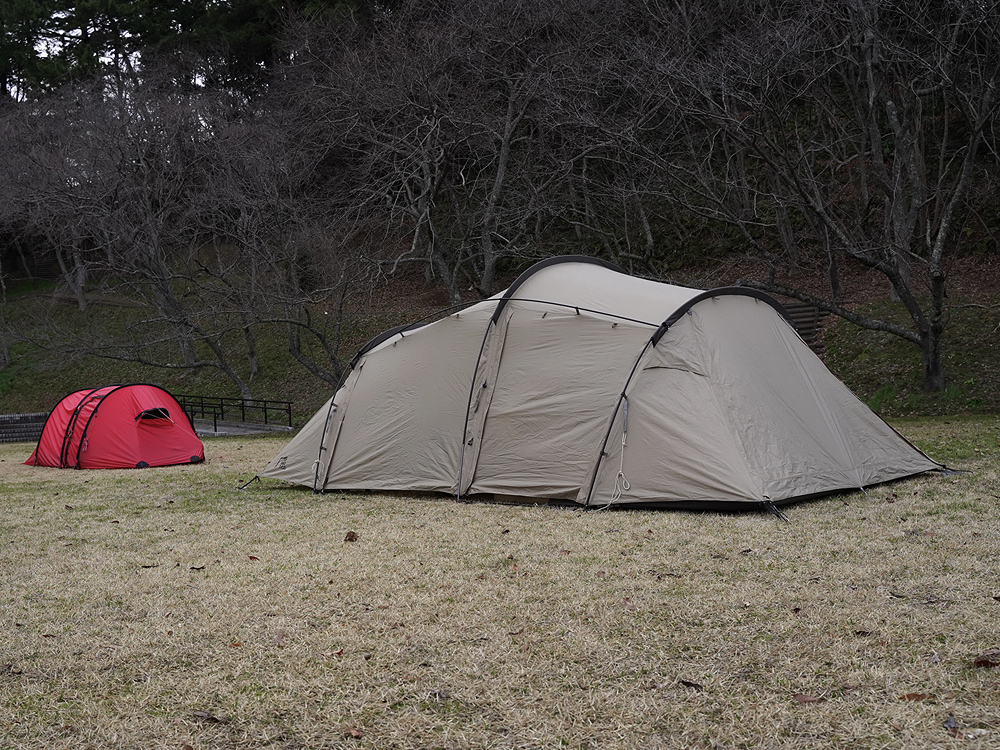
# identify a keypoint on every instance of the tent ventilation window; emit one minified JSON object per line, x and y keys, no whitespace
{"x":157,"y":413}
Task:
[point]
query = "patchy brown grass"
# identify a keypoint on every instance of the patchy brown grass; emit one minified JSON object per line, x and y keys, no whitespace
{"x":164,"y":609}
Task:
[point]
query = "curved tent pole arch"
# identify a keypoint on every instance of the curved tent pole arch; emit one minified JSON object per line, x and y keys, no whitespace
{"x":495,"y":318}
{"x":401,"y":331}
{"x":71,"y":425}
{"x":652,"y":342}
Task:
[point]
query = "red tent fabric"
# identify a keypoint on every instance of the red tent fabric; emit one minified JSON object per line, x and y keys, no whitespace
{"x":117,"y":427}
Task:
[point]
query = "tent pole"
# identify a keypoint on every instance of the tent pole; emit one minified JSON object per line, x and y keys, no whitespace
{"x":607,"y":435}
{"x":468,"y":407}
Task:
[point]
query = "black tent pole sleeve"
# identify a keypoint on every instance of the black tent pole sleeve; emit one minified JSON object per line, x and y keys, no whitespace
{"x":611,"y":422}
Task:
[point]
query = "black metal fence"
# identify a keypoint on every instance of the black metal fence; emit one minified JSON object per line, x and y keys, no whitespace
{"x":241,"y":410}
{"x":22,"y":428}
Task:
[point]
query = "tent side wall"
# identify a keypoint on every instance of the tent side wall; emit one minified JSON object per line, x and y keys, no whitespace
{"x":401,"y":427}
{"x":46,"y":452}
{"x":803,"y":430}
{"x":297,"y":461}
{"x":567,"y":336}
{"x":56,"y":445}
{"x":731,"y":406}
{"x":550,"y":398}
{"x":118,"y":435}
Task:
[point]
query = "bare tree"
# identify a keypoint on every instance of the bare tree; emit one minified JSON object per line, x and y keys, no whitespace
{"x":110,"y":185}
{"x":467,"y":138}
{"x":476,"y":126}
{"x":290,"y":253}
{"x":848,"y":128}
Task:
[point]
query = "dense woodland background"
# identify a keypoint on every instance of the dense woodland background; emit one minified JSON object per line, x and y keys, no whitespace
{"x":235,"y":171}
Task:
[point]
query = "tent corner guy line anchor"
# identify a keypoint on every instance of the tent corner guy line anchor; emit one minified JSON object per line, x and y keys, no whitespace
{"x":621,"y":483}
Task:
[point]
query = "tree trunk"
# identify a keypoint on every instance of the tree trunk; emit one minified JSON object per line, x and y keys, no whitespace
{"x":448,"y":272}
{"x":188,"y":356}
{"x":832,"y":268}
{"x":649,"y":243}
{"x":932,"y":341}
{"x":331,"y":377}
{"x":75,"y":275}
{"x":931,"y":351}
{"x":251,"y":340}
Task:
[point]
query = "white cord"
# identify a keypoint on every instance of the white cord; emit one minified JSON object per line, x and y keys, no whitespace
{"x":621,"y":483}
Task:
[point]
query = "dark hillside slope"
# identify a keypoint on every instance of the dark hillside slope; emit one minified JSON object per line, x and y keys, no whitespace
{"x":882,"y":369}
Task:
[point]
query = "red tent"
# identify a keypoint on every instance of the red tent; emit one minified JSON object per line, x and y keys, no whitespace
{"x":118,"y":427}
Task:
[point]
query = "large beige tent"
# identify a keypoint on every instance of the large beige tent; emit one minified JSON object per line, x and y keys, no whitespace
{"x":581,"y":383}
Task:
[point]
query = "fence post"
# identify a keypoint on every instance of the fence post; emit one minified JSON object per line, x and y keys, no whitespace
{"x":200,"y":407}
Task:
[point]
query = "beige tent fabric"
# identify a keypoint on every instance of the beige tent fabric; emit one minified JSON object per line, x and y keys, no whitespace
{"x":731,"y":405}
{"x":544,"y":408}
{"x":297,"y":461}
{"x":595,"y":287}
{"x":399,"y":418}
{"x":522,"y":395}
{"x":678,"y":446}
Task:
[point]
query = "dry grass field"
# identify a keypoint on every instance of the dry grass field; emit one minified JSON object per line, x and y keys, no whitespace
{"x":165,"y":609}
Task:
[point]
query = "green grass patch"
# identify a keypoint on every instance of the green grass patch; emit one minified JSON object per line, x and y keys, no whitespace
{"x":39,"y":376}
{"x":885,"y":371}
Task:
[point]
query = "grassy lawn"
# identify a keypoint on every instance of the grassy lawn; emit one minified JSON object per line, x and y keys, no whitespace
{"x":164,"y":608}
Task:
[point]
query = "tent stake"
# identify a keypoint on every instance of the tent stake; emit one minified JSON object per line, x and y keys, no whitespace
{"x":772,"y":508}
{"x":244,"y":486}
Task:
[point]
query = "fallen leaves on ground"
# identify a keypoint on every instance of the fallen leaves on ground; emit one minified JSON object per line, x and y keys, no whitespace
{"x":952,"y":726}
{"x":660,"y":575}
{"x":803,"y":698}
{"x":208,"y":717}
{"x":987,"y":659}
